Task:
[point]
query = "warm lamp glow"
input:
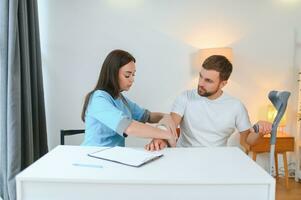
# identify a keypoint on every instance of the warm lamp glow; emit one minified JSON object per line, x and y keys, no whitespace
{"x":224,"y":51}
{"x":271,"y":114}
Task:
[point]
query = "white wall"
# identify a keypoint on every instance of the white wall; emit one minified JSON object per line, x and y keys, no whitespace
{"x":165,"y":37}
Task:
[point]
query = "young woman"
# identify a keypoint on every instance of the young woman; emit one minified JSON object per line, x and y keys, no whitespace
{"x":110,"y":117}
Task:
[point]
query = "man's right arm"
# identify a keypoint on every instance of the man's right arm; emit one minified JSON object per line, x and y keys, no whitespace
{"x":158,"y":144}
{"x":176,"y":118}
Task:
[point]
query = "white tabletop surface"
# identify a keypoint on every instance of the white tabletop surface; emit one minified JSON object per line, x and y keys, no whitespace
{"x":222,"y":165}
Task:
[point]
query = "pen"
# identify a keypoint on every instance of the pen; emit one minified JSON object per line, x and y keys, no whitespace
{"x":86,"y":165}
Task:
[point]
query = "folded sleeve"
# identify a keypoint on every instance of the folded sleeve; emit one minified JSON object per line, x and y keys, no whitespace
{"x":101,"y":107}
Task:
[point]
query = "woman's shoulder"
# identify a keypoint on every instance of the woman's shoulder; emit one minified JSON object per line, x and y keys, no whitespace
{"x":99,"y":98}
{"x":101,"y":94}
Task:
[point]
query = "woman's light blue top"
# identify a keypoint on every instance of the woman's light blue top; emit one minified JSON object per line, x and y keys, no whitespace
{"x":107,"y":118}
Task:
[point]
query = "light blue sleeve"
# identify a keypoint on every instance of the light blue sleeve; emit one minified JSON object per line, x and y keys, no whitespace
{"x":102,"y":108}
{"x":138,"y":113}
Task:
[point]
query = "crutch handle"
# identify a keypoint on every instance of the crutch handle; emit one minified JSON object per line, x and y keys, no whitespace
{"x":256,"y":128}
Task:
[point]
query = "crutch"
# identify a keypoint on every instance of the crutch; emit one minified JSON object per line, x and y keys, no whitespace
{"x":279,"y":100}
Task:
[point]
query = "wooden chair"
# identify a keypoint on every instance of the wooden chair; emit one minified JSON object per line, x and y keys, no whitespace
{"x":178,"y":131}
{"x":284,"y":144}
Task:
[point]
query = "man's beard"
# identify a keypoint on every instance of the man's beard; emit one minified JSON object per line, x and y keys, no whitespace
{"x":205,"y":93}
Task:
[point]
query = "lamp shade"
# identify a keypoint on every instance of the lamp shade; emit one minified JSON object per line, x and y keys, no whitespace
{"x":224,"y":51}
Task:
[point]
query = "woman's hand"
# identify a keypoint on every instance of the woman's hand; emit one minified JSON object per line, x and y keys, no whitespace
{"x":172,"y":141}
{"x":167,"y":122}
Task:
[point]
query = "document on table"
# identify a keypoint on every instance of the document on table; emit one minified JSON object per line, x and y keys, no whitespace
{"x":127,"y":156}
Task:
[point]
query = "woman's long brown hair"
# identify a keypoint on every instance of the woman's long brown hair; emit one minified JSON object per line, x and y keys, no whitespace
{"x":108,"y":77}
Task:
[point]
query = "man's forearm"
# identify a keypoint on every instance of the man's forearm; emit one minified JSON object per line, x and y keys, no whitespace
{"x":253,"y":138}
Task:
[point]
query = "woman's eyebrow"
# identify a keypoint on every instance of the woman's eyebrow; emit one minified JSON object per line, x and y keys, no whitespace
{"x":130,"y":72}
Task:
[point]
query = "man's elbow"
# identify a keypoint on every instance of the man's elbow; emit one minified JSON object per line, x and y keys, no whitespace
{"x":249,"y":142}
{"x":252,"y":141}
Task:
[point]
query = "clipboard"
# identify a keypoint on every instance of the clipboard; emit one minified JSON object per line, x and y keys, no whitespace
{"x":126,"y":156}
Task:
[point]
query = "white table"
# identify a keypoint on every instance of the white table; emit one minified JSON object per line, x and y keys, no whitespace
{"x":182,"y":173}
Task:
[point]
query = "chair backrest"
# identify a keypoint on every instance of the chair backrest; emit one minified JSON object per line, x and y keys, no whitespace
{"x":178,"y":131}
{"x":70,"y":132}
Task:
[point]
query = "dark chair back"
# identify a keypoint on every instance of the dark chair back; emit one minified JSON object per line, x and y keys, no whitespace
{"x":70,"y":132}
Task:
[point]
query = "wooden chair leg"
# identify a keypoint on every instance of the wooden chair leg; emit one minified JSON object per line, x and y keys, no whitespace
{"x":285,"y":169}
{"x":254,"y":155}
{"x":276,"y":164}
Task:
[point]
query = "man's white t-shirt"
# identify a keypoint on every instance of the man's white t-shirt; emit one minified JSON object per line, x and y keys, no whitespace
{"x":206,"y":122}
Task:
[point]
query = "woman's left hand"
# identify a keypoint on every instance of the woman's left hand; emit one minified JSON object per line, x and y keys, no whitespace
{"x":169,"y":124}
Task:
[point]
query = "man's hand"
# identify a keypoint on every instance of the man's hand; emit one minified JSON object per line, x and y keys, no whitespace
{"x":264,"y":127}
{"x":156,"y":145}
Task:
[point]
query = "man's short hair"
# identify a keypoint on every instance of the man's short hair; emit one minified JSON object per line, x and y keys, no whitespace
{"x":220,"y":64}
